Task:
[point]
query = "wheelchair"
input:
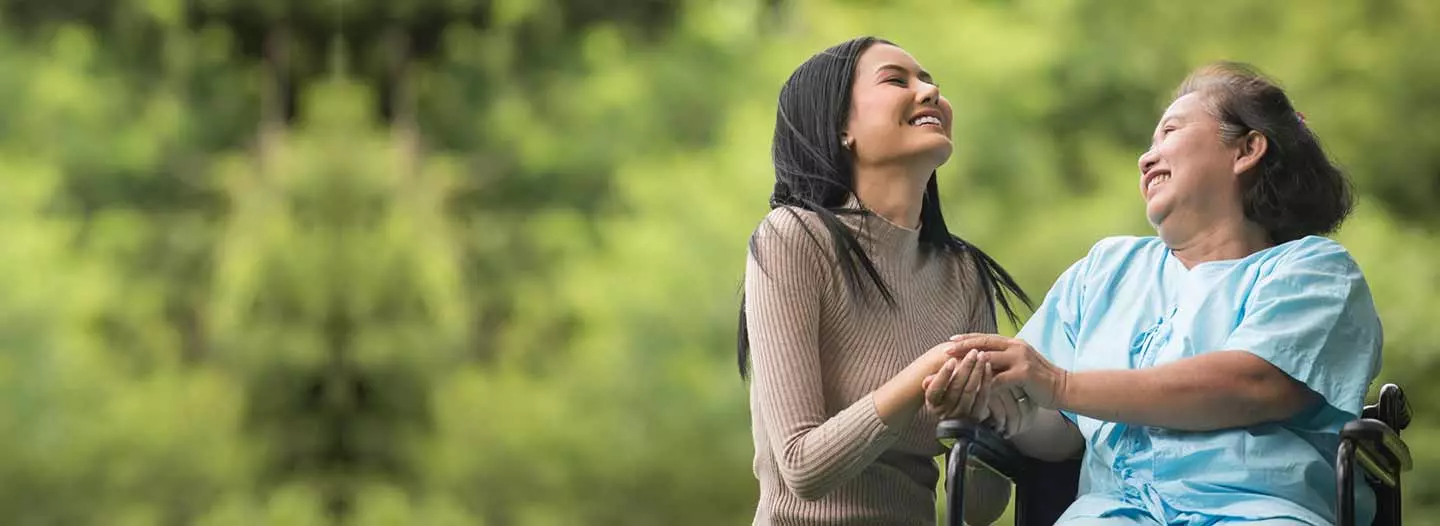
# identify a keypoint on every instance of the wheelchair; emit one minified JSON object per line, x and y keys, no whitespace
{"x":1043,"y":490}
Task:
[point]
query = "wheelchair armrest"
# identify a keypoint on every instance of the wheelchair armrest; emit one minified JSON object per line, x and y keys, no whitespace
{"x":1378,"y":449}
{"x":985,"y":446}
{"x":1043,"y":490}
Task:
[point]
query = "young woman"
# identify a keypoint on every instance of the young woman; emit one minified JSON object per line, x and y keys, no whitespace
{"x":1206,"y":372}
{"x":850,"y":280}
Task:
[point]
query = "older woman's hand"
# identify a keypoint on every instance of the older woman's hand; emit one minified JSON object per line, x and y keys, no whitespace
{"x":960,"y":389}
{"x":1011,"y":410}
{"x":1023,"y":377}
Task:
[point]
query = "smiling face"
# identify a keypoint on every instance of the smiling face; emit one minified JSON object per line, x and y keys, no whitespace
{"x":896,"y":111}
{"x":1188,"y":176}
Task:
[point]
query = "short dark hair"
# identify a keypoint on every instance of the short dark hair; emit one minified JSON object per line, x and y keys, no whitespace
{"x":1295,"y":190}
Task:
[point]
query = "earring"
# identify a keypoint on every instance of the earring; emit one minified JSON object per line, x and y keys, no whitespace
{"x":848,"y":143}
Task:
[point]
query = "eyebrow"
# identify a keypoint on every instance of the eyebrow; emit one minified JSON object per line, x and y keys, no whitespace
{"x":923,"y":75}
{"x":1155,"y":136}
{"x":1161,"y":125}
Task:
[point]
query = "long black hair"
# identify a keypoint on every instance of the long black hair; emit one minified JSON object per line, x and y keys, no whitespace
{"x":814,"y":172}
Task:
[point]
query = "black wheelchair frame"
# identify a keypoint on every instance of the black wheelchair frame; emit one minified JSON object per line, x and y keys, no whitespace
{"x":1043,"y":490}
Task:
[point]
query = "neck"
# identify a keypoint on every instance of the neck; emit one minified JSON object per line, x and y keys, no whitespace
{"x":1221,"y":240}
{"x":894,"y":193}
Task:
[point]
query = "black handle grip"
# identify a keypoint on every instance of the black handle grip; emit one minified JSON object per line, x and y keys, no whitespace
{"x":1394,"y":407}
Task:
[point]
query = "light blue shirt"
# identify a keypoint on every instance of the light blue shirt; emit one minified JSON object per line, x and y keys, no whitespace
{"x":1303,"y":306}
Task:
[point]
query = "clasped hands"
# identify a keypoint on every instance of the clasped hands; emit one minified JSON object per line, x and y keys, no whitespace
{"x":993,"y":379}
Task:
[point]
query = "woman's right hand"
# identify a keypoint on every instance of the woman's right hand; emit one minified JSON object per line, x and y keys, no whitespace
{"x":898,"y":400}
{"x":960,"y":389}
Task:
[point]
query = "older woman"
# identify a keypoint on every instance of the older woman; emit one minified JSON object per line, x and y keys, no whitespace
{"x":1205,"y":372}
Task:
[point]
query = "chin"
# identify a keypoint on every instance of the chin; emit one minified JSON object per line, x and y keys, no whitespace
{"x":938,"y":152}
{"x":1155,"y":215}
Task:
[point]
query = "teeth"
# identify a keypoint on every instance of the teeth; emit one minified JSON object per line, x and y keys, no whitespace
{"x":1157,"y":180}
{"x":925,"y":119}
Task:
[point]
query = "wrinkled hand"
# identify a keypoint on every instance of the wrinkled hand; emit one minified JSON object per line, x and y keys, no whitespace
{"x":1011,"y":409}
{"x":1024,"y":379}
{"x":960,"y":389}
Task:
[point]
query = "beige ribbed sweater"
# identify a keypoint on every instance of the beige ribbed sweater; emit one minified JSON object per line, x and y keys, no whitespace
{"x":822,"y":453}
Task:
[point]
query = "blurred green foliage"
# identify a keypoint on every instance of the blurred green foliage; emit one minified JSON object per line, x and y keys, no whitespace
{"x":482,"y":264}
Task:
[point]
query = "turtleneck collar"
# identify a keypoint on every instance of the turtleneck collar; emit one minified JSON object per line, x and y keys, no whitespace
{"x":878,"y":232}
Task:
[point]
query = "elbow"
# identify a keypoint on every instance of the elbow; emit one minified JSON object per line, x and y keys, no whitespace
{"x":807,"y":476}
{"x":1262,"y":392}
{"x":1290,"y":399}
{"x":806,"y":482}
{"x":805,"y":487}
{"x":1275,"y":396}
{"x":808,"y":493}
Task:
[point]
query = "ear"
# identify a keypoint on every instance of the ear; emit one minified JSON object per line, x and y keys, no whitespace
{"x":1252,"y":148}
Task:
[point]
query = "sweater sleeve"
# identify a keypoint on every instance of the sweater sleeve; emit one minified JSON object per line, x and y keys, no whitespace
{"x":785,"y":281}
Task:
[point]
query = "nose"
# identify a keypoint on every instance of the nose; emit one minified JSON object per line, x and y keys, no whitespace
{"x":1147,"y":160}
{"x":929,"y":93}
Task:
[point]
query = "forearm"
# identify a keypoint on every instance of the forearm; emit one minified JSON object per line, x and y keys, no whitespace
{"x":1216,"y":390}
{"x":816,"y":460}
{"x":898,"y":400}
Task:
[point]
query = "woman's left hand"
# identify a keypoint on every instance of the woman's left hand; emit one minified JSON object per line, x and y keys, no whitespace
{"x":1018,"y":364}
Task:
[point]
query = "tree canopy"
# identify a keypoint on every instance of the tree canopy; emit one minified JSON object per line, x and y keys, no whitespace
{"x":478,"y":262}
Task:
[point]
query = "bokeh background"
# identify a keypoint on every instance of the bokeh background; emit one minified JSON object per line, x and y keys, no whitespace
{"x":478,"y":261}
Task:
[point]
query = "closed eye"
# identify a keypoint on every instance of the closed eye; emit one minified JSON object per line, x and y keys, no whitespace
{"x":896,"y":81}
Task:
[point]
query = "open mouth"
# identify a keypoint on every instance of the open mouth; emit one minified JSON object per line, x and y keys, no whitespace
{"x":1155,"y":182}
{"x":926,"y":120}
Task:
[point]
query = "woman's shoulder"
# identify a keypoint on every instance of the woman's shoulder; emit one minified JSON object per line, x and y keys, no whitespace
{"x":1313,"y":252}
{"x":1314,"y":246}
{"x":786,"y":221}
{"x":788,"y":226}
{"x":791,"y":234}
